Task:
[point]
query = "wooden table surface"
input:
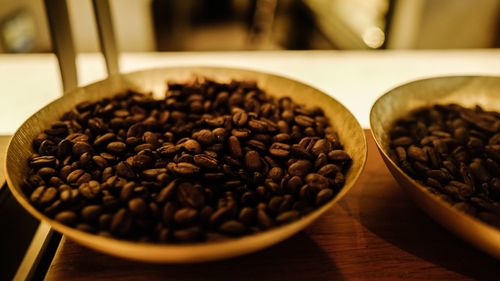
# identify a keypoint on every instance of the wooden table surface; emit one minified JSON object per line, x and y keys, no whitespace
{"x":374,"y":233}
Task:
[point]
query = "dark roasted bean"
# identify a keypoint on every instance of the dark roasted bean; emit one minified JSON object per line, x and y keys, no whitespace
{"x":185,"y":216}
{"x":300,"y":168}
{"x":208,"y":162}
{"x":279,"y":149}
{"x":205,"y":137}
{"x":323,"y":196}
{"x":91,"y":213}
{"x":233,"y":227}
{"x":234,"y":147}
{"x":67,"y":218}
{"x":116,"y":147}
{"x":317,"y":181}
{"x":183,"y":168}
{"x":453,"y":150}
{"x":287,"y":217}
{"x":167,"y":192}
{"x":247,"y":215}
{"x":264,"y":220}
{"x":142,"y":162}
{"x":190,"y":195}
{"x":220,"y":215}
{"x":205,"y":161}
{"x":188,"y":234}
{"x":252,"y":160}
{"x":48,"y":196}
{"x":121,"y":222}
{"x":104,"y":139}
{"x":81,"y":147}
{"x":258,"y":125}
{"x":43,"y":161}
{"x":123,"y":169}
{"x":90,"y":189}
{"x":304,"y":121}
{"x":338,"y":155}
{"x":240,"y":117}
{"x":137,"y":206}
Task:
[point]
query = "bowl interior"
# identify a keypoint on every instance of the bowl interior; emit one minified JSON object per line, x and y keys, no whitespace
{"x":467,"y":91}
{"x":348,"y":129}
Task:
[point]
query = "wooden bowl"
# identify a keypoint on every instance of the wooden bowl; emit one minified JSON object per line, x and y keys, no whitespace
{"x":348,"y":129}
{"x":399,"y":102}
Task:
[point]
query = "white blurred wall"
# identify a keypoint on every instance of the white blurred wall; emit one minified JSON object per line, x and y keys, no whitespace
{"x":132,"y":22}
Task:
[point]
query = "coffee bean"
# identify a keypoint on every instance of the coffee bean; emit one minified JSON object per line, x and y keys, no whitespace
{"x":247,"y":215}
{"x":91,"y":213}
{"x":191,"y":146}
{"x":240,"y":117}
{"x":116,"y":147}
{"x":205,"y":161}
{"x":74,"y":176}
{"x":479,"y":171}
{"x":121,"y":223}
{"x":300,"y":168}
{"x":304,"y":121}
{"x":275,"y":174}
{"x":447,"y":148}
{"x":338,"y":155}
{"x":287,"y":217}
{"x":188,"y":234}
{"x":252,"y":160}
{"x":402,"y":141}
{"x":233,"y":227}
{"x":220,"y":215}
{"x":43,"y":161}
{"x":321,"y":146}
{"x":123,"y":169}
{"x":167,"y":192}
{"x":66,"y":217}
{"x":46,"y":172}
{"x":208,"y":162}
{"x":183,"y":168}
{"x":190,"y":195}
{"x":317,"y":181}
{"x":205,"y":136}
{"x":264,"y":220}
{"x":234,"y":147}
{"x":90,"y":189}
{"x":104,"y":139}
{"x":81,"y":147}
{"x":185,"y":216}
{"x":64,"y":148}
{"x":142,"y":162}
{"x":275,"y":203}
{"x":137,"y":206}
{"x":48,"y":196}
{"x":417,"y":153}
{"x":323,"y":196}
{"x":493,"y":151}
{"x":279,"y":149}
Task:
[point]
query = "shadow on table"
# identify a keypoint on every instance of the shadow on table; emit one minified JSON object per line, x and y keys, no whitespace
{"x":400,"y":222}
{"x":298,"y":258}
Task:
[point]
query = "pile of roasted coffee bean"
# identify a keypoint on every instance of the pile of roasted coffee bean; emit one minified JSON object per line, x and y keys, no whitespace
{"x":455,"y":151}
{"x":207,"y":162}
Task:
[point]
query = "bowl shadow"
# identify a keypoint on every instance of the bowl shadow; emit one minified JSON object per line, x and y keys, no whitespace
{"x":292,"y":260}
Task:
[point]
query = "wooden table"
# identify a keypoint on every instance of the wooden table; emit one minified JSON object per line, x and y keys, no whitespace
{"x":374,"y":233}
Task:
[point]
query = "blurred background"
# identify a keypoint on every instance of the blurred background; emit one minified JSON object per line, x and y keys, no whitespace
{"x":227,"y":25}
